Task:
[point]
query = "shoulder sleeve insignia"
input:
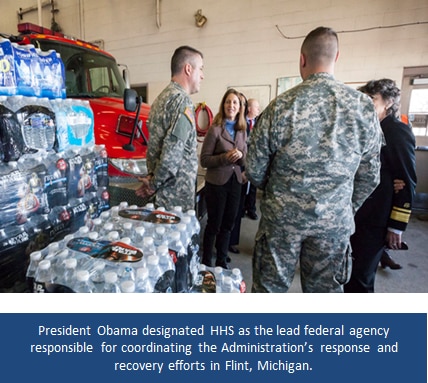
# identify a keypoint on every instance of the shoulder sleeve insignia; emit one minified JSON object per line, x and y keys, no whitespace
{"x":189,"y":113}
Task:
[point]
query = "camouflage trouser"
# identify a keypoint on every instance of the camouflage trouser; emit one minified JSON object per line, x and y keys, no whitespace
{"x":325,"y":263}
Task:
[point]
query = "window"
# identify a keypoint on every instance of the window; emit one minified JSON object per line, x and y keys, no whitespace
{"x":418,"y":111}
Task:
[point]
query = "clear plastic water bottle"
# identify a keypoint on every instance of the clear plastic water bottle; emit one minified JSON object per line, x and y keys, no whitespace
{"x":113,"y":236}
{"x":58,"y":263}
{"x":123,"y":205}
{"x":178,"y":211}
{"x":127,"y":229}
{"x":196,"y":225}
{"x":35,"y":258}
{"x":106,"y":229}
{"x":52,"y":249}
{"x":219,"y":277}
{"x":227,"y":286}
{"x":126,"y":272}
{"x":127,"y":287}
{"x":69,"y":277}
{"x":83,"y":283}
{"x":165,"y":260}
{"x":126,"y":240}
{"x":160,"y":237}
{"x":148,"y":228}
{"x":114,"y":213}
{"x":105,"y":216}
{"x":44,"y":276}
{"x":138,"y":235}
{"x":148,"y":247}
{"x":111,"y":284}
{"x":238,"y":280}
{"x":97,"y":224}
{"x":155,"y":271}
{"x":143,"y":283}
{"x":149,"y":206}
{"x":60,"y":108}
{"x":97,"y":274}
{"x":184,"y":234}
{"x":83,"y":231}
{"x":93,"y":235}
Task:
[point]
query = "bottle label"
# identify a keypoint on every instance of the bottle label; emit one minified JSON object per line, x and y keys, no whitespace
{"x":56,"y":182}
{"x":162,"y":217}
{"x":156,"y":216}
{"x":110,"y":251}
{"x":44,"y":287}
{"x":204,"y":283}
{"x":135,"y":214}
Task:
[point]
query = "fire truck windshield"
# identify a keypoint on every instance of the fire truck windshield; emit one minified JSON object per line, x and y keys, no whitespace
{"x":87,"y":73}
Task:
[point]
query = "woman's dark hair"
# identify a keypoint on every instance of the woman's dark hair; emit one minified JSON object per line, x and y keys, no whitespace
{"x":387,"y":89}
{"x":220,"y":118}
{"x":245,"y":103}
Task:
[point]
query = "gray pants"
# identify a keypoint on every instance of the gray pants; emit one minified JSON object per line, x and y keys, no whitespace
{"x":325,"y":263}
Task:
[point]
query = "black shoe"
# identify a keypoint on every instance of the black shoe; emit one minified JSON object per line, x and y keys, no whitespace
{"x":252,"y":215}
{"x":234,"y":250}
{"x":387,"y":261}
{"x":228,"y":259}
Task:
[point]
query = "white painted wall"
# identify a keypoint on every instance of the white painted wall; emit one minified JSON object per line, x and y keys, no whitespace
{"x":241,"y":43}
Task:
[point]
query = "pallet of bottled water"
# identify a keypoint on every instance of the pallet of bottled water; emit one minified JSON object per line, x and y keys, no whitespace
{"x":125,"y":249}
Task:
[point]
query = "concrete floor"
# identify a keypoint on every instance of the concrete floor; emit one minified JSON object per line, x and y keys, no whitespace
{"x":412,"y":278}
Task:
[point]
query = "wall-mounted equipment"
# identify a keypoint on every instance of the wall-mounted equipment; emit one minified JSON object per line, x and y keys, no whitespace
{"x":200,"y":19}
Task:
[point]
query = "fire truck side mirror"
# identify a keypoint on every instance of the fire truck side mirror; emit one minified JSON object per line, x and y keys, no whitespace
{"x":131,"y":100}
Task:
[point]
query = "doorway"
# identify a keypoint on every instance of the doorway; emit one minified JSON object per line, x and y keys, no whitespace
{"x":414,"y":105}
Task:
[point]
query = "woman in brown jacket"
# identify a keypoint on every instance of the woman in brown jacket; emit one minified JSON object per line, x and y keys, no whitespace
{"x":223,"y":154}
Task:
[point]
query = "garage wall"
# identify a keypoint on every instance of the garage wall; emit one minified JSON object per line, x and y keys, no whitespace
{"x":244,"y":41}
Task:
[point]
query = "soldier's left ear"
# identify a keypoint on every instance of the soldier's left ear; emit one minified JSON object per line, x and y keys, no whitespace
{"x":337,"y":56}
{"x":302,"y":60}
{"x":188,"y":68}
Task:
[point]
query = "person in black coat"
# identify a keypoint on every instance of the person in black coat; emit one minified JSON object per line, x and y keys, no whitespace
{"x":382,"y":219}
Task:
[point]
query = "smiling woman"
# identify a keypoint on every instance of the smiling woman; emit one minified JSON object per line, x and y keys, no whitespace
{"x":223,"y":155}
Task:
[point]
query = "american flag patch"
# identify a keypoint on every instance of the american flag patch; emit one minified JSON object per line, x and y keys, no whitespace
{"x":188,"y":112}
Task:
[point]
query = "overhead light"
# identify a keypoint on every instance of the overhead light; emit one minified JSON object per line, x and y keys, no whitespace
{"x":200,"y":19}
{"x":420,"y":81}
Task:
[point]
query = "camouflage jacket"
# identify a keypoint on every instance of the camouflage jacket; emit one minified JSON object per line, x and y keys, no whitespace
{"x":172,"y":154}
{"x":315,"y":153}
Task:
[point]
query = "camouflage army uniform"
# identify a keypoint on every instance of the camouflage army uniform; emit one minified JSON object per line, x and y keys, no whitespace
{"x":171,"y":154}
{"x":315,"y":153}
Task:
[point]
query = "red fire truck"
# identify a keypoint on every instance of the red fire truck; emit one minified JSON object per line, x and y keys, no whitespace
{"x":94,"y":75}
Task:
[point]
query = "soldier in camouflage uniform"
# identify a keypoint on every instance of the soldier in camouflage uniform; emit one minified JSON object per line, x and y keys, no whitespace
{"x":315,"y":154}
{"x":172,"y":161}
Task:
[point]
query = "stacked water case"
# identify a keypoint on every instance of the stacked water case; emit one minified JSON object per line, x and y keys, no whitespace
{"x":58,"y":232}
{"x":131,"y":249}
{"x":53,"y":179}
